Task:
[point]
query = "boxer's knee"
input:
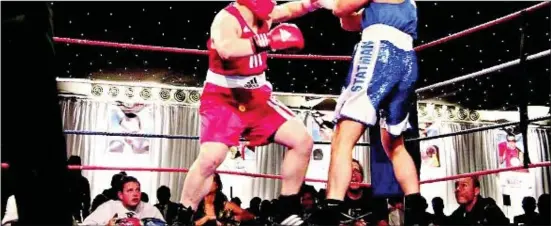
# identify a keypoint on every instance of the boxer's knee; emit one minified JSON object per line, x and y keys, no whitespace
{"x":211,"y":156}
{"x":304,"y":144}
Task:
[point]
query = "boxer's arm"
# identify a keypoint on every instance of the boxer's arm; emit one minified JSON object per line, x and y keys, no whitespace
{"x":352,"y":22}
{"x":347,"y":7}
{"x":225,"y":35}
{"x":292,"y":10}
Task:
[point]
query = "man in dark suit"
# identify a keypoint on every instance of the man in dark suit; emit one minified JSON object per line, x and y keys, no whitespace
{"x":168,"y":209}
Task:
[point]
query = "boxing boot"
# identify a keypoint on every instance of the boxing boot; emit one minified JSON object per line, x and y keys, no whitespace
{"x":288,"y":211}
{"x":413,"y":211}
{"x":184,"y":217}
{"x":329,"y":213}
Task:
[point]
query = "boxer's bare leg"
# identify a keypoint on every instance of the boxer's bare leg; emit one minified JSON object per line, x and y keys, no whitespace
{"x":347,"y":133}
{"x":403,"y":165}
{"x":199,"y":178}
{"x":293,"y":134}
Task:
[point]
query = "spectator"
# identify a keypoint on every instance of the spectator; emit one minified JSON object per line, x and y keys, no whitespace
{"x":236,"y":200}
{"x":254,"y":206}
{"x":396,"y":215}
{"x":145,"y":197}
{"x":109,"y":194}
{"x":427,"y":217}
{"x":473,"y":208}
{"x":439,"y":218}
{"x":360,"y":206}
{"x":79,"y":191}
{"x":530,"y":214}
{"x":168,"y":209}
{"x":215,"y":208}
{"x":129,"y":206}
{"x":543,"y":208}
{"x":308,"y":202}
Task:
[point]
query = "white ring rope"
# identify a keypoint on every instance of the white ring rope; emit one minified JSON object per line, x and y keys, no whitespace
{"x":483,"y":72}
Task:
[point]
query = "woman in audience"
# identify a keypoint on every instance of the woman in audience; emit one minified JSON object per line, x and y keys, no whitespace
{"x":215,"y":209}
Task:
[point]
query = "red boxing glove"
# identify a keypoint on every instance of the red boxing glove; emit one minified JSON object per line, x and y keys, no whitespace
{"x":283,"y":36}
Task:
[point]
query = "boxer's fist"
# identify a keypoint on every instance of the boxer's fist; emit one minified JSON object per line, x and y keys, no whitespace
{"x":283,"y":36}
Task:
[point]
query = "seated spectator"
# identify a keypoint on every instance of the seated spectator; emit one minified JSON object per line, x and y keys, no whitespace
{"x":168,"y":209}
{"x":145,"y":197}
{"x":110,"y":193}
{"x":254,"y":206}
{"x":236,"y":200}
{"x":530,"y":214}
{"x":360,"y":207}
{"x":79,"y":191}
{"x":439,"y":218}
{"x":544,"y":209}
{"x":427,"y":217}
{"x":473,"y":208}
{"x":308,"y":202}
{"x":128,"y":208}
{"x":215,"y":209}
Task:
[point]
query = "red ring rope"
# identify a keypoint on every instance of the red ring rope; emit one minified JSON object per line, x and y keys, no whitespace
{"x":271,"y":176}
{"x":296,"y":56}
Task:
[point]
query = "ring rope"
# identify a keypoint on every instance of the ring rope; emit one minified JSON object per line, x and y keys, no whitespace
{"x":477,"y":129}
{"x":293,"y":56}
{"x":483,"y":26}
{"x":111,"y":134}
{"x":483,"y":72}
{"x":79,"y":132}
{"x":279,"y":177}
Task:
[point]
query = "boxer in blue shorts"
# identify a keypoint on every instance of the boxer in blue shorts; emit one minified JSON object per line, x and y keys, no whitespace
{"x":381,"y":78}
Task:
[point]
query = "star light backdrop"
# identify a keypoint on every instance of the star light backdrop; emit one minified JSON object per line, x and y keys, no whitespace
{"x":186,"y":25}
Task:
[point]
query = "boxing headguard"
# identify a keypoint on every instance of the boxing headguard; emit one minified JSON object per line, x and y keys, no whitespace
{"x":260,"y":8}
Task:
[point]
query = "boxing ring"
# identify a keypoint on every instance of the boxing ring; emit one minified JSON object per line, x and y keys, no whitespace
{"x":487,"y":71}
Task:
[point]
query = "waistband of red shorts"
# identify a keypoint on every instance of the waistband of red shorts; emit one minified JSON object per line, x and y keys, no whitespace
{"x":232,"y":81}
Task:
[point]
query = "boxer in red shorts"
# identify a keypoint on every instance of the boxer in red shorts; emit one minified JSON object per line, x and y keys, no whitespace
{"x":237,"y":99}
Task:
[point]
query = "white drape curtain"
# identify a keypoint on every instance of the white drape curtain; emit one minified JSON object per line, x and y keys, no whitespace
{"x":460,"y":154}
{"x":478,"y":151}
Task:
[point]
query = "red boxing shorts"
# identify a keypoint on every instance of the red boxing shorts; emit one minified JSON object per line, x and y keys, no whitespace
{"x":237,"y":106}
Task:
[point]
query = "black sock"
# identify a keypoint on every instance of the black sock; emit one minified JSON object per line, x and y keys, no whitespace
{"x":413,"y":209}
{"x":333,"y":203}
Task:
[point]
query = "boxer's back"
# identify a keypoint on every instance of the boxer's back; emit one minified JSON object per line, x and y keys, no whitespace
{"x":240,"y":66}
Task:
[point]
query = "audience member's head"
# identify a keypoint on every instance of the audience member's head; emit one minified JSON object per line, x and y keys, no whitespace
{"x":438,"y":205}
{"x":529,"y":204}
{"x":357,"y":175}
{"x":424,"y":203}
{"x":129,"y":192}
{"x":396,"y":202}
{"x":467,"y":190}
{"x":216,"y":184}
{"x":543,"y":204}
{"x":307,"y":200}
{"x":75,"y":160}
{"x":255,"y":203}
{"x":236,"y":200}
{"x":145,"y":197}
{"x":163,"y":194}
{"x":116,"y":180}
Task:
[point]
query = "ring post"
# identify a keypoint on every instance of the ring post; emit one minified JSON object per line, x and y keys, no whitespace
{"x":521,"y":89}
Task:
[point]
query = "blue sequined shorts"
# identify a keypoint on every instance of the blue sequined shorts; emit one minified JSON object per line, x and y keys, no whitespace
{"x":381,"y":78}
